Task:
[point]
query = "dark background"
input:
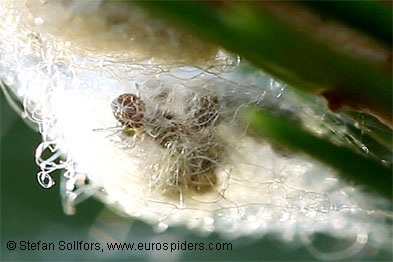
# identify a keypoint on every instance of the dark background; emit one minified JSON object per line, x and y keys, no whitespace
{"x":31,"y":213}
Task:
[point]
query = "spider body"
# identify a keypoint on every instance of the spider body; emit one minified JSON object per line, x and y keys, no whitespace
{"x":129,"y":110}
{"x":190,"y":142}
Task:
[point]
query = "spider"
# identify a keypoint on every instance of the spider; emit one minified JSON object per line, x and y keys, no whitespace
{"x":198,"y":169}
{"x":129,"y":110}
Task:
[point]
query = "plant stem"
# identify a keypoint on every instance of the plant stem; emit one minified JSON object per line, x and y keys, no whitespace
{"x":271,"y":36}
{"x":350,"y":165}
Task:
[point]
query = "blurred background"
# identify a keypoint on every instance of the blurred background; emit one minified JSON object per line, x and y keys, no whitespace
{"x":31,"y":213}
